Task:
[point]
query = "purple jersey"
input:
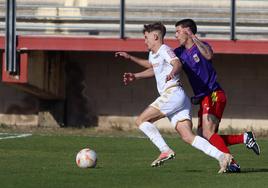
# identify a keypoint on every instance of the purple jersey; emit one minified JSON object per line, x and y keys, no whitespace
{"x":202,"y":76}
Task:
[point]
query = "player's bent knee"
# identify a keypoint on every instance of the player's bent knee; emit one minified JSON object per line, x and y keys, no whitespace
{"x":185,"y":131}
{"x":213,"y":120}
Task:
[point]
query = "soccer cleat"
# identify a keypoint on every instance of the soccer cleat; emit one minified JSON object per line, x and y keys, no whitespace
{"x":164,"y":156}
{"x":251,"y":143}
{"x":233,"y":167}
{"x":225,"y":161}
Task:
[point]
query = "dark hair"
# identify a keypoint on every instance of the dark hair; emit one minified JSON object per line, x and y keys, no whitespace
{"x":188,"y":23}
{"x":158,"y":26}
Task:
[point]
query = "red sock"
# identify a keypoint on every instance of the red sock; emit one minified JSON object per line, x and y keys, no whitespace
{"x":219,"y":143}
{"x":233,"y":139}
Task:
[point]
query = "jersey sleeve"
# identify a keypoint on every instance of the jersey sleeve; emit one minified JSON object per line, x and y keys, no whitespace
{"x":168,"y":54}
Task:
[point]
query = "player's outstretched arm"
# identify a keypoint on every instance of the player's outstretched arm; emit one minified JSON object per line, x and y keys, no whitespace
{"x":130,"y":77}
{"x":142,"y":62}
{"x":203,"y":48}
{"x":145,"y":74}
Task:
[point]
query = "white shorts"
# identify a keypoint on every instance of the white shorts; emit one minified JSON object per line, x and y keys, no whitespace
{"x":175,"y":104}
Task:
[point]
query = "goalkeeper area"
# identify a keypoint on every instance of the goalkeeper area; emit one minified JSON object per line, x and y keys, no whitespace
{"x":48,"y":160}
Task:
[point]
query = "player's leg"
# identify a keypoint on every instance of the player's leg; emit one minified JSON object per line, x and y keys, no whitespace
{"x":247,"y":138}
{"x":170,"y":101}
{"x":210,"y":113}
{"x":209,"y":131}
{"x":233,"y":139}
{"x":184,"y":128}
{"x":213,"y":107}
{"x":145,"y":124}
{"x":181,"y":120}
{"x":208,"y":127}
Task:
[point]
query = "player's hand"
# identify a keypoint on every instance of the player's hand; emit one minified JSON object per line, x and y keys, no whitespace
{"x":188,"y":31}
{"x":122,"y":54}
{"x":128,"y":77}
{"x":169,"y":77}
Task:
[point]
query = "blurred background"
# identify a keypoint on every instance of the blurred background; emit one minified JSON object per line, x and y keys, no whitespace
{"x":102,"y":18}
{"x":65,"y":73}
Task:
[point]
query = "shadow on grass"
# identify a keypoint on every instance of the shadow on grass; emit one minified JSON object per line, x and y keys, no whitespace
{"x":244,"y":170}
{"x":250,"y":170}
{"x":193,"y":171}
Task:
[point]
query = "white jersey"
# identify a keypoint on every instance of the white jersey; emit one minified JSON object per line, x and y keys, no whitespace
{"x":161,"y":62}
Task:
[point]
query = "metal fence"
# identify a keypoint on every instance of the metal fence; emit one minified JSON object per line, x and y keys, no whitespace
{"x":125,"y":18}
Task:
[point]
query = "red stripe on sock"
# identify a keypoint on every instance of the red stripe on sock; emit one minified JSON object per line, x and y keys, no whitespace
{"x":217,"y":141}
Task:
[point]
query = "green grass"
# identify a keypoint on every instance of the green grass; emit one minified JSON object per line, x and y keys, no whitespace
{"x":49,"y":161}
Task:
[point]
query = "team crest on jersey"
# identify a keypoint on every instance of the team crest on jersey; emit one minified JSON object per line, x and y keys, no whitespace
{"x":196,"y":58}
{"x":171,"y":53}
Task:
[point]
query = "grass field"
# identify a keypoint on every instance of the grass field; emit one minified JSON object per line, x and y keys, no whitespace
{"x":49,"y":161}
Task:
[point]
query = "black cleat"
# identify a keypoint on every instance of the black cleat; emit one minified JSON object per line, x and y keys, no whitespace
{"x":233,"y":167}
{"x":252,"y":144}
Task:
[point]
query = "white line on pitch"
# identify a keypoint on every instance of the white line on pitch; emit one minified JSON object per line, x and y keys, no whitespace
{"x":14,"y":136}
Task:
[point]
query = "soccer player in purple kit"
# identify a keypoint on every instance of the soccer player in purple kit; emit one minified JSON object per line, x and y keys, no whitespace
{"x":172,"y":102}
{"x":196,"y":57}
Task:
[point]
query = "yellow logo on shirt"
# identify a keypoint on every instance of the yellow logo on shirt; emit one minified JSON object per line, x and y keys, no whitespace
{"x":214,"y":97}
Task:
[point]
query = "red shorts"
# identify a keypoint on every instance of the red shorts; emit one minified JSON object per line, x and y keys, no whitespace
{"x":212,"y":104}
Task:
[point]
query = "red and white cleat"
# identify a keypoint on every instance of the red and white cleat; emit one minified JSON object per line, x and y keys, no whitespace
{"x":164,"y":156}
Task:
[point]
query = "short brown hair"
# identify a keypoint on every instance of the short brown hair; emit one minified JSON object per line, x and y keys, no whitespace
{"x":158,"y":26}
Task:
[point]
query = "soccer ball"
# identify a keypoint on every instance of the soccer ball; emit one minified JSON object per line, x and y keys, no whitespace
{"x":86,"y":158}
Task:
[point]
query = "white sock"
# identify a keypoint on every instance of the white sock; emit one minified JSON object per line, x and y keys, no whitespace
{"x":152,"y":132}
{"x":245,"y":137}
{"x":203,"y":145}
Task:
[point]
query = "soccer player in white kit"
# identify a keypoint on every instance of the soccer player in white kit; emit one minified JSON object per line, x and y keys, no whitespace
{"x":172,"y":103}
